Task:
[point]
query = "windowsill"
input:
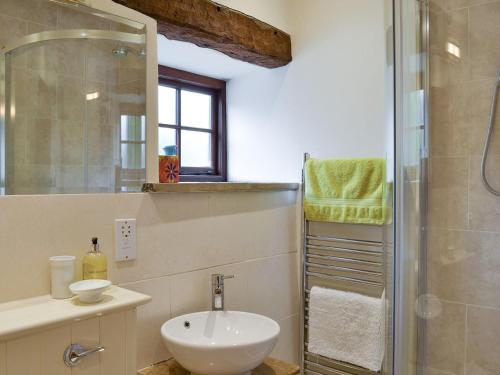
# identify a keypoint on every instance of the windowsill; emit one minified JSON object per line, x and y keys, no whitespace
{"x":207,"y":187}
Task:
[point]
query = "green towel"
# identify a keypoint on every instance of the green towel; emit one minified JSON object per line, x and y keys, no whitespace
{"x":346,"y":190}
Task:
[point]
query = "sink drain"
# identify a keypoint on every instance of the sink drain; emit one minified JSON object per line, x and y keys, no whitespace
{"x":187,"y":324}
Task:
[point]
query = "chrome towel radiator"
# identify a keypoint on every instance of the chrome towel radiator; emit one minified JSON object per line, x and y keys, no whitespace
{"x":338,"y":262}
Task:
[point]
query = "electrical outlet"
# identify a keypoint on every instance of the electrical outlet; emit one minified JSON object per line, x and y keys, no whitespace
{"x":125,"y":239}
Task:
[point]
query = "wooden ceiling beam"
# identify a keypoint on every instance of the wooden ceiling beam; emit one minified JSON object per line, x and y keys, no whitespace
{"x":211,"y":25}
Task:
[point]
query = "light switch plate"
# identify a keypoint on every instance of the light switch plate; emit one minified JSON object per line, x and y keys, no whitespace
{"x":125,"y":239}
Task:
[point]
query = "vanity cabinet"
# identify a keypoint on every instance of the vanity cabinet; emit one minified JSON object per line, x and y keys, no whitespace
{"x":42,"y":353}
{"x":34,"y":335}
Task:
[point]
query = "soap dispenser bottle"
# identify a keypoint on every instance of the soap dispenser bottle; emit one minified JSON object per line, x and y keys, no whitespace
{"x":95,"y":263}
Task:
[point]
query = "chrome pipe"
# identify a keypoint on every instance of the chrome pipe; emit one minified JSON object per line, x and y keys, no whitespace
{"x":487,"y":142}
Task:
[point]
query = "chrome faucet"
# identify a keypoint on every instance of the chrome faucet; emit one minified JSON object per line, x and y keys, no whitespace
{"x":218,"y":291}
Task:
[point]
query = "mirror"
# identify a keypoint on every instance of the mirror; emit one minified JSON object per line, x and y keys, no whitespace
{"x":72,"y":100}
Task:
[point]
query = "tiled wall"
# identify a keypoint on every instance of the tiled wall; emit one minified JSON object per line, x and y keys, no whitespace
{"x":464,"y":250}
{"x":182,"y":239}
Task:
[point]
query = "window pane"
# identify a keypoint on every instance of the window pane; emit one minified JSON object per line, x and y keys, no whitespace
{"x":166,"y":105}
{"x":133,"y":128}
{"x":196,"y":149}
{"x":166,"y":141}
{"x":132,"y":155}
{"x":196,"y":109}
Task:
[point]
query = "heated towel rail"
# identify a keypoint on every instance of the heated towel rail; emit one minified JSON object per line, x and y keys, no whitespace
{"x":336,"y":262}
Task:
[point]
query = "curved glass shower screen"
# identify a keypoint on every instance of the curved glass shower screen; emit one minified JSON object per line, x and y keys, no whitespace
{"x":73,"y":101}
{"x":448,"y":305}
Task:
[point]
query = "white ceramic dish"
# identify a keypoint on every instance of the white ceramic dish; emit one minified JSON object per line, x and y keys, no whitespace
{"x":90,"y":291}
{"x":220,"y":342}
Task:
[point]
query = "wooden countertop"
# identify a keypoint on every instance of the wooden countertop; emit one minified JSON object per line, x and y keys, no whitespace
{"x":271,"y":366}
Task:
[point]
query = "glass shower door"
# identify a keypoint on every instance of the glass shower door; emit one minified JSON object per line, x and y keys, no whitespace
{"x":463,"y":265}
{"x":447,"y":256}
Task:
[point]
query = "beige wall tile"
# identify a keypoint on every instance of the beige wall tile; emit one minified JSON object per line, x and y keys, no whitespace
{"x":150,"y":318}
{"x":64,"y":57}
{"x":288,"y":346}
{"x":10,"y":28}
{"x":478,"y":106}
{"x":448,"y":192}
{"x":101,"y":144}
{"x":69,"y":141}
{"x":99,"y":110}
{"x":273,"y":286}
{"x":39,"y":147}
{"x":53,"y":344}
{"x":70,"y":99}
{"x":446,"y":339}
{"x":451,"y":27}
{"x":461,"y":265}
{"x":484,"y":35}
{"x":483,"y":341}
{"x":9,"y":8}
{"x":68,"y":18}
{"x":16,"y":141}
{"x":431,"y":371}
{"x":446,"y":173}
{"x":456,"y":4}
{"x":484,"y":207}
{"x":101,"y":64}
{"x":448,"y":208}
{"x":192,"y":291}
{"x":113,"y":337}
{"x":37,"y":11}
{"x":459,"y":118}
{"x":34,"y":93}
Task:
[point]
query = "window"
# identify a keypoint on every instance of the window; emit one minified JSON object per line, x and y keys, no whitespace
{"x":192,"y":123}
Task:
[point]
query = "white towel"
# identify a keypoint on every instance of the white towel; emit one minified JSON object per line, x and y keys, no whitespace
{"x":347,"y":327}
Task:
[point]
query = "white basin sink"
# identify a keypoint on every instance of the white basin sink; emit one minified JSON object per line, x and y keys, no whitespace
{"x":220,"y":342}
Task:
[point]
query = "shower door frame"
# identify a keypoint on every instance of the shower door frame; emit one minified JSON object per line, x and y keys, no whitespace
{"x":400,"y":299}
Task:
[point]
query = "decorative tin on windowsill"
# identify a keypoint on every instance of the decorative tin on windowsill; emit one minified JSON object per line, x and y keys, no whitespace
{"x":169,"y":165}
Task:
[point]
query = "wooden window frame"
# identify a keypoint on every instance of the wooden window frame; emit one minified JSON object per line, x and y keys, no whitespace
{"x":180,"y":79}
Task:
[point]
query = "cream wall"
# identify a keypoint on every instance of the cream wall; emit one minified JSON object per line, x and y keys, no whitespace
{"x":329,"y":101}
{"x":274,"y":12}
{"x":182,"y":239}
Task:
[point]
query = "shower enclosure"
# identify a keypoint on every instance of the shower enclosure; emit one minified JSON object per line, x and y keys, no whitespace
{"x":447,"y":255}
{"x":72,"y":99}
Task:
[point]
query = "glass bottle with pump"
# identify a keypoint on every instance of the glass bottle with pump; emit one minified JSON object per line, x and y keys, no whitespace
{"x":95,"y":263}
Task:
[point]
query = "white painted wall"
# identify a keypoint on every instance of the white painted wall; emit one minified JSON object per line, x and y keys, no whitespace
{"x":274,"y":12}
{"x":329,"y":101}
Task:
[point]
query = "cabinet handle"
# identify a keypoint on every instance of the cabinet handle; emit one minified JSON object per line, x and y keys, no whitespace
{"x":76,"y":352}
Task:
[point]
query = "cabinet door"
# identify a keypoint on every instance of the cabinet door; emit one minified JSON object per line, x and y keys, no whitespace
{"x":42,"y":353}
{"x":53,"y":344}
{"x":86,"y":333}
{"x":113,"y":338}
{"x":39,"y":354}
{"x":23,"y":356}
